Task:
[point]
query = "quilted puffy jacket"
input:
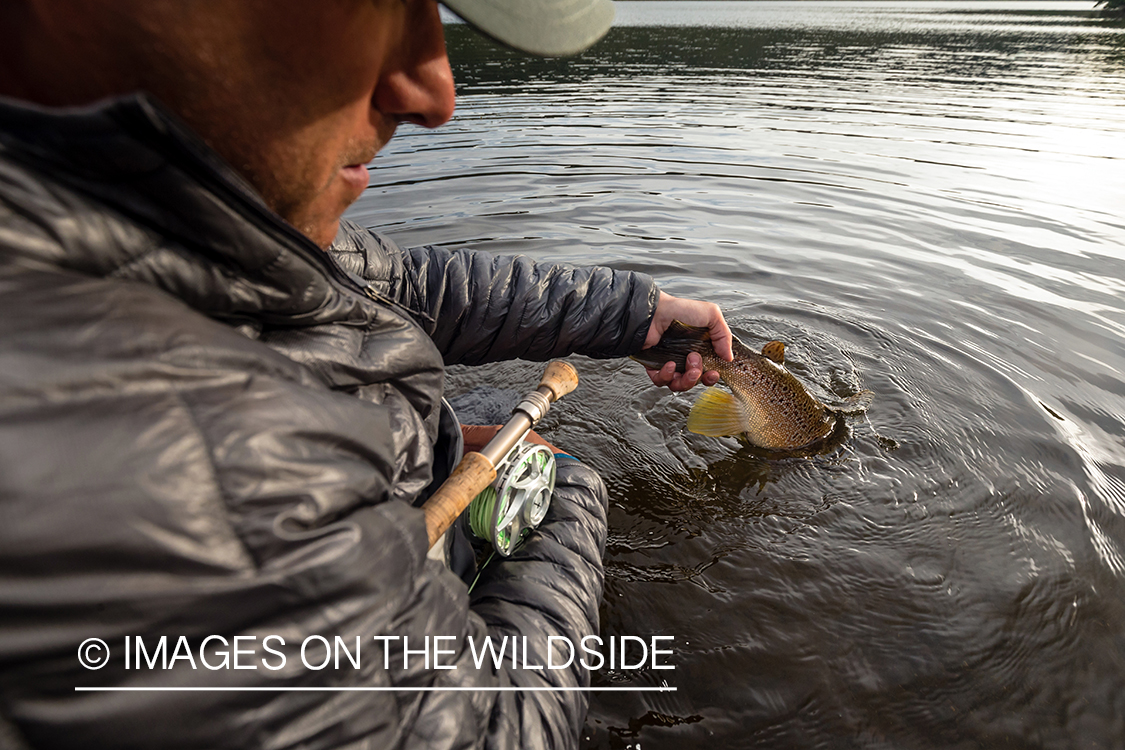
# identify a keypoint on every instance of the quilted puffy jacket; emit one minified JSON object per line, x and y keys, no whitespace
{"x":210,"y":427}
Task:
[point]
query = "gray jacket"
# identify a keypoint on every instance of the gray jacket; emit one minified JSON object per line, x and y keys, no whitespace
{"x":209,"y":427}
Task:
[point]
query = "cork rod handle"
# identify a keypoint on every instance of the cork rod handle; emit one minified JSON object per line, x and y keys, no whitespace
{"x":473,"y":474}
{"x":559,"y":378}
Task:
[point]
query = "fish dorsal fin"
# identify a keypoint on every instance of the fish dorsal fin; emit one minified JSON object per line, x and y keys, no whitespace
{"x":716,"y":413}
{"x":774,"y":351}
{"x":697,"y":333}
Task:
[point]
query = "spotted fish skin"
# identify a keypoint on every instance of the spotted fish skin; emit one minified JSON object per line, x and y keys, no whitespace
{"x":767,"y":404}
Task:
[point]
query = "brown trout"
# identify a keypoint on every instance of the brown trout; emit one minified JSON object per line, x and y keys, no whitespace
{"x":768,"y":405}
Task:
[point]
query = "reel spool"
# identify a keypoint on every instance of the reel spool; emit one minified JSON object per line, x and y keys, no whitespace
{"x":517,"y":501}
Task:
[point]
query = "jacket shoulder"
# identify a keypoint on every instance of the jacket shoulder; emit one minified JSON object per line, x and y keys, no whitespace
{"x":367,"y":254}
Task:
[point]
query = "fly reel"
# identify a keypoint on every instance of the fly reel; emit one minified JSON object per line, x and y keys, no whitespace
{"x":516,"y":502}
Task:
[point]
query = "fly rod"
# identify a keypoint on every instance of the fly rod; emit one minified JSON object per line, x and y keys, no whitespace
{"x":520,"y":501}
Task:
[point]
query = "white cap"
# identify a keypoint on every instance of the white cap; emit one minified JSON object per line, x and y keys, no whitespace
{"x":550,"y":28}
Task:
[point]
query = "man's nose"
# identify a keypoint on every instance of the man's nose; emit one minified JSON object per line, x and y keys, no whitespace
{"x":419,"y":87}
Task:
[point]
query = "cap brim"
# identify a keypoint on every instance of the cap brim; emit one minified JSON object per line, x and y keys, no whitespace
{"x":550,"y":28}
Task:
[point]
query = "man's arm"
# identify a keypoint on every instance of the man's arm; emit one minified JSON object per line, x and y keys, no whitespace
{"x":490,"y":308}
{"x":483,"y":308}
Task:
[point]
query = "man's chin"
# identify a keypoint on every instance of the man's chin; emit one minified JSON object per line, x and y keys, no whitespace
{"x":321,"y":230}
{"x":319,"y":219}
{"x":324,"y":234}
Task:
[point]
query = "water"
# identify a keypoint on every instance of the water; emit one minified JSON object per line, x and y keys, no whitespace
{"x":923,"y":199}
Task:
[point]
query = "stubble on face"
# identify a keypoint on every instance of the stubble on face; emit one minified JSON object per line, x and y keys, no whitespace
{"x":292,"y":94}
{"x":283,"y":90}
{"x":298,"y":181}
{"x":297,"y":119}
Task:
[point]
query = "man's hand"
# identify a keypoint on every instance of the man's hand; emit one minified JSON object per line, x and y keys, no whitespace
{"x":477,"y":436}
{"x":694,"y":313}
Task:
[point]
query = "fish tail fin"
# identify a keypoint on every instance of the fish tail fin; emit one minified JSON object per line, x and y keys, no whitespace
{"x":677,"y":342}
{"x":716,"y":413}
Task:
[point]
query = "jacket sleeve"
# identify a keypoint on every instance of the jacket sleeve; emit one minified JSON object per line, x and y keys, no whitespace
{"x":481,"y":308}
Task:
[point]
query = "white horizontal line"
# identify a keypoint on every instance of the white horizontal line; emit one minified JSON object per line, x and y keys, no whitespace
{"x":367,"y":689}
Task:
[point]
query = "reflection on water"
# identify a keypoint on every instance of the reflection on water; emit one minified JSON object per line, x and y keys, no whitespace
{"x":922,"y":199}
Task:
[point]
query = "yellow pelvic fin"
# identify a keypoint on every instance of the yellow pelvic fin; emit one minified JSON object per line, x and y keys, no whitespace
{"x":716,"y":413}
{"x":774,"y":350}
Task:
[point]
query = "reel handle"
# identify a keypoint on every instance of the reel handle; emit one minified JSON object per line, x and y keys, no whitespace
{"x":478,"y":470}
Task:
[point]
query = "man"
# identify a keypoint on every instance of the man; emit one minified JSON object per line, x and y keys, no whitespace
{"x":213,"y":431}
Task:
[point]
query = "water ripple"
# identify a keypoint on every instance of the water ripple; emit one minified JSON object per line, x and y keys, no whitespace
{"x":922,"y":199}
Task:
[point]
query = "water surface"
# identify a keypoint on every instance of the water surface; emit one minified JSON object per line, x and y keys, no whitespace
{"x":922,"y":199}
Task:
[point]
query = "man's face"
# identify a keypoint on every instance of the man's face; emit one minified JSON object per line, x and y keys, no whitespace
{"x":298,"y":95}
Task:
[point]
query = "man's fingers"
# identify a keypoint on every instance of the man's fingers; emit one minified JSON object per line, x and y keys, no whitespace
{"x":664,"y":375}
{"x":722,"y":340}
{"x":477,"y":436}
{"x":693,"y":371}
{"x":667,"y":376}
{"x":676,"y":381}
